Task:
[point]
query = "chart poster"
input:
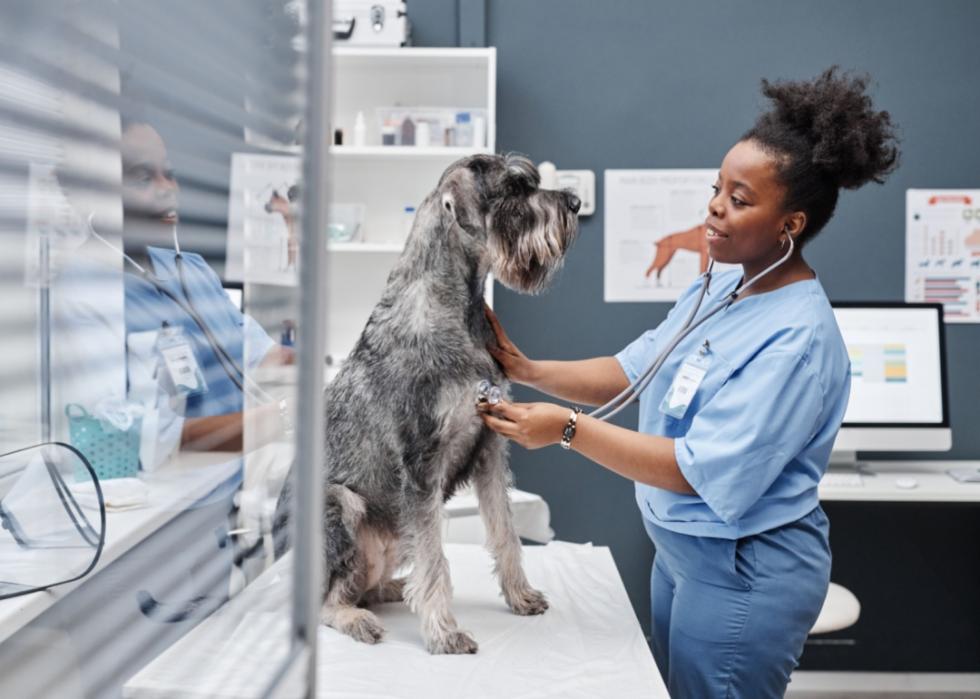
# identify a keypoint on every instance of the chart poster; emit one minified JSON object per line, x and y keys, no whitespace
{"x":655,"y":244}
{"x":262,"y":242}
{"x":942,"y":250}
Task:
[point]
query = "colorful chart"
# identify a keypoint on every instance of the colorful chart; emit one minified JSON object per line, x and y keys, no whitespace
{"x":942,"y":251}
{"x":879,"y":363}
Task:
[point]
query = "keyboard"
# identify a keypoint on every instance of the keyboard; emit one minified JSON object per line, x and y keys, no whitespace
{"x":842,"y":479}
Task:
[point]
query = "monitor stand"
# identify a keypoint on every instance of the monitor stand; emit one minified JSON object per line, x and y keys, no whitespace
{"x":847,"y":461}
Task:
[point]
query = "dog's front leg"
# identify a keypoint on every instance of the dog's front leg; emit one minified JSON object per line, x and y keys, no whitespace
{"x":491,"y":479}
{"x":428,"y":589}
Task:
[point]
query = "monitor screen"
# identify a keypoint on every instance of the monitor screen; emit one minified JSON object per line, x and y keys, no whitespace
{"x":236,"y":294}
{"x":897,"y":364}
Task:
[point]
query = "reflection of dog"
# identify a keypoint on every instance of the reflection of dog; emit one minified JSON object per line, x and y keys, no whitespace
{"x":402,"y":431}
{"x":693,"y":239}
{"x":284,"y":206}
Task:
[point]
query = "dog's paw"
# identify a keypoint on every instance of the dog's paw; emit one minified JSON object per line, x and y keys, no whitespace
{"x":453,"y":643}
{"x":527,"y":602}
{"x":363,"y":626}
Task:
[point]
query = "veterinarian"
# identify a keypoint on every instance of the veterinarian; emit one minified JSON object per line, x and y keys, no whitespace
{"x":726,"y":478}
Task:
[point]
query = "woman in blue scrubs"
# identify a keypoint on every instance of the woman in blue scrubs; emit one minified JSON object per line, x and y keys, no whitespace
{"x":727,"y":486}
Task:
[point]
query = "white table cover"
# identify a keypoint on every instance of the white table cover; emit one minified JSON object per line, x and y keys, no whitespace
{"x":589,"y":644}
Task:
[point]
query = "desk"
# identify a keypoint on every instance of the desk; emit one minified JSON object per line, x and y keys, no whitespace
{"x":910,"y":557}
{"x":934,"y":484}
{"x":95,"y":629}
{"x":588,"y":644}
{"x":172,"y":490}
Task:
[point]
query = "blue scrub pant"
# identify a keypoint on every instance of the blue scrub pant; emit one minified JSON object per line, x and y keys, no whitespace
{"x":730,"y":617}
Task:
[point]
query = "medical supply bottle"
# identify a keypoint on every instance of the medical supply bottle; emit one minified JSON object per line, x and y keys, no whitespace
{"x":408,"y":218}
{"x":360,"y":130}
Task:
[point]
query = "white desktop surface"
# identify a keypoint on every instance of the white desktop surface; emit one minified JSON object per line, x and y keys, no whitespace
{"x":172,"y":489}
{"x":588,"y":644}
{"x":176,"y":486}
{"x":933,"y":484}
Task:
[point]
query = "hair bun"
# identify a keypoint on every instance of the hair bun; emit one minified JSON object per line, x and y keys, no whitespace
{"x":849,"y":140}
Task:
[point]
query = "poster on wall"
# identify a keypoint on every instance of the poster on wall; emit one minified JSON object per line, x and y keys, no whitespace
{"x":942,"y":251}
{"x":655,"y":244}
{"x":262,"y":242}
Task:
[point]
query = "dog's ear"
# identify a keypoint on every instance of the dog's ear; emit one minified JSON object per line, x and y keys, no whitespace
{"x":460,"y":200}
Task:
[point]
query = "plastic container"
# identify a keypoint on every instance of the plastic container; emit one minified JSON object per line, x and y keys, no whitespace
{"x":112,"y":453}
{"x":438,"y":121}
{"x":344,"y":222}
{"x":464,"y":129}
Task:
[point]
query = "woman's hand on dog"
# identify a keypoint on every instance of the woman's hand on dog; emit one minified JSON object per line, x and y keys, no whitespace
{"x":532,"y":425}
{"x":516,"y":366}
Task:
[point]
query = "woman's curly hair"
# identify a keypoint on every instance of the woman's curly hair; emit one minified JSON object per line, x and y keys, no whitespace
{"x":825,"y":134}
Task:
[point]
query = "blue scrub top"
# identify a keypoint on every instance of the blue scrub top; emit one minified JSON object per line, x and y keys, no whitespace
{"x":757,"y":435}
{"x":147,"y":308}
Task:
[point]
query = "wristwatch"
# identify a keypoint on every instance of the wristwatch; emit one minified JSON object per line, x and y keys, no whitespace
{"x":569,"y":432}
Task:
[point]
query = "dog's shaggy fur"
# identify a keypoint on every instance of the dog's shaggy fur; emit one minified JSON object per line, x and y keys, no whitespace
{"x":402,"y":430}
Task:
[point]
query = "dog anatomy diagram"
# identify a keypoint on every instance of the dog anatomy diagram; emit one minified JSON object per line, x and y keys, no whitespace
{"x":655,"y":244}
{"x":942,"y":250}
{"x":262,"y":242}
{"x":693,"y":239}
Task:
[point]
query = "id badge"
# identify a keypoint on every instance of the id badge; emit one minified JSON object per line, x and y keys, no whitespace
{"x":686,"y":382}
{"x":182,"y":367}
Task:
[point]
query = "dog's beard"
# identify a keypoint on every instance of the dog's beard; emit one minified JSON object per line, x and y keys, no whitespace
{"x":529,"y":271}
{"x":528,"y":262}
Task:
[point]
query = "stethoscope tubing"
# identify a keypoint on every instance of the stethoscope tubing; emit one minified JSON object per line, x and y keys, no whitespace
{"x":632,"y":392}
{"x":222,"y":355}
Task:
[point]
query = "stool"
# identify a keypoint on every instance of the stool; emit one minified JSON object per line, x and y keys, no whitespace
{"x":840,"y":610}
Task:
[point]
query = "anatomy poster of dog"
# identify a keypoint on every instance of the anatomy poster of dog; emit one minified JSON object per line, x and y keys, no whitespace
{"x":262,"y":241}
{"x":942,"y":251}
{"x":655,"y":244}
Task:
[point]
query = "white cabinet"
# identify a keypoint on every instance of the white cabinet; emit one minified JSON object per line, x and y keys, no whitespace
{"x":386,"y":179}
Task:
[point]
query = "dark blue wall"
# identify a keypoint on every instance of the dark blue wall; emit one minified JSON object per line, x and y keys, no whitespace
{"x":640,"y":84}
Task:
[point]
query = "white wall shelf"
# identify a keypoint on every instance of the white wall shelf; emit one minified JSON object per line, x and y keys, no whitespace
{"x":408,"y":152}
{"x":386,"y":248}
{"x":374,"y":57}
{"x":387,"y":179}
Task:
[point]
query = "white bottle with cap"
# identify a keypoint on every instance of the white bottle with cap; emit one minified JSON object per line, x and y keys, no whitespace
{"x":549,"y":175}
{"x":479,"y":132}
{"x":360,"y":130}
{"x":408,"y":218}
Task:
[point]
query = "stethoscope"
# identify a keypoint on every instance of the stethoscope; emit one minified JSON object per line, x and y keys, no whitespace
{"x":227,"y":362}
{"x":633,"y":391}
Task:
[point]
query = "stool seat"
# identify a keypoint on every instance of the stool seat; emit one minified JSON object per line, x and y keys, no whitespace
{"x":840,"y":610}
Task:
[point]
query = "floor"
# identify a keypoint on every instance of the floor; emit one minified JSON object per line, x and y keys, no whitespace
{"x":880,"y":685}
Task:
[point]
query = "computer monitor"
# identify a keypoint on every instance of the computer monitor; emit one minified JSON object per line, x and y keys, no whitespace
{"x":898,"y":396}
{"x":236,"y":293}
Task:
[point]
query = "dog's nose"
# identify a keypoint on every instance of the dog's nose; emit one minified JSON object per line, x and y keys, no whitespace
{"x":574,"y":203}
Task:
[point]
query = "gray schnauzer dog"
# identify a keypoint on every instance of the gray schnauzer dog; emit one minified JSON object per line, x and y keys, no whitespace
{"x":402,"y":429}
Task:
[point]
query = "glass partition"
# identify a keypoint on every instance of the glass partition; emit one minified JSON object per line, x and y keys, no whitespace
{"x":155,"y":237}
